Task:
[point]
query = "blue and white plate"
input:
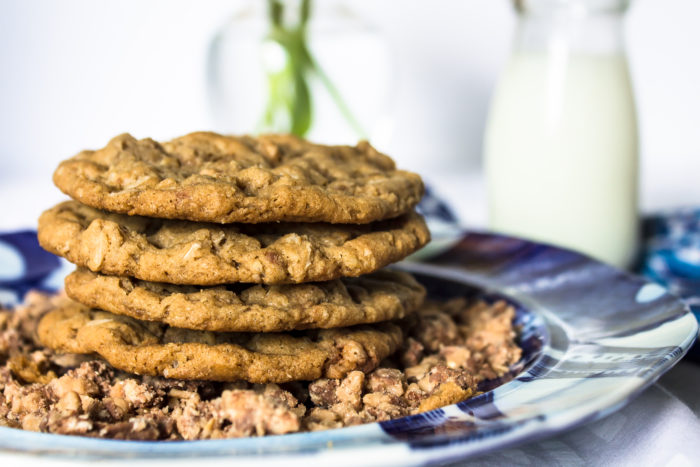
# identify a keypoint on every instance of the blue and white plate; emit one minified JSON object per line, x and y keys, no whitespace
{"x":594,"y":338}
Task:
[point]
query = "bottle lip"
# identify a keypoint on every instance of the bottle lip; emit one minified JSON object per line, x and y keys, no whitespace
{"x":573,"y":7}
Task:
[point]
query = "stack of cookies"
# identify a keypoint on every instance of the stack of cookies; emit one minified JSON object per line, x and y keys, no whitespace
{"x":225,"y":258}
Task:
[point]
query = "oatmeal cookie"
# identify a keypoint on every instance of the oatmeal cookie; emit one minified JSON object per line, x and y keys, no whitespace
{"x":182,"y":252}
{"x":208,"y":177}
{"x":376,"y":297}
{"x":149,"y":348}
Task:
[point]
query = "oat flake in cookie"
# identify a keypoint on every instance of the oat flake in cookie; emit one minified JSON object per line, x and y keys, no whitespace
{"x":148,"y":348}
{"x":181,"y":252}
{"x":380,"y":296}
{"x":215,"y":178}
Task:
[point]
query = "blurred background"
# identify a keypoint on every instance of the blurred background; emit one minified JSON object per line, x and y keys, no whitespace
{"x":417,"y":75}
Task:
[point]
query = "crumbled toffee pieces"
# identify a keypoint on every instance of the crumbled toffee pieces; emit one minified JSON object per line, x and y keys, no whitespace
{"x":452,"y":347}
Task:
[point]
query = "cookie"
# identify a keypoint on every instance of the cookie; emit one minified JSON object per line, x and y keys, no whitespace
{"x":148,"y":348}
{"x":208,"y":177}
{"x":182,"y":252}
{"x":376,"y":297}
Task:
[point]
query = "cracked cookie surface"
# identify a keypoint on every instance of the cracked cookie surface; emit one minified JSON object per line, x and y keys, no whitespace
{"x":148,"y":348}
{"x":376,"y":297}
{"x":182,"y":252}
{"x":209,"y":177}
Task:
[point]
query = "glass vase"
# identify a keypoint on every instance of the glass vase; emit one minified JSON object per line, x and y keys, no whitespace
{"x":312,"y":68}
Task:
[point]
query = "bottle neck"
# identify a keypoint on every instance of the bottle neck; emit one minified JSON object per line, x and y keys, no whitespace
{"x":579,"y":26}
{"x":577,"y":7}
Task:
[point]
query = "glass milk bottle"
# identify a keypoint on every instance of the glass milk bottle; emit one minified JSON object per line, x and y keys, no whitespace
{"x":561,"y":153}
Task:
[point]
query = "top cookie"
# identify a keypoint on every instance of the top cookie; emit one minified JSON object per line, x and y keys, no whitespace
{"x":215,"y":178}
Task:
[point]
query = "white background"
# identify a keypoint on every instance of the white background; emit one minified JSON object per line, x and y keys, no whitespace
{"x":77,"y":72}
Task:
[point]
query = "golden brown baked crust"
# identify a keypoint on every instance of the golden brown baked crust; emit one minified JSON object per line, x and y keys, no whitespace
{"x":148,"y":348}
{"x":376,"y":297}
{"x":181,"y":252}
{"x":214,"y":178}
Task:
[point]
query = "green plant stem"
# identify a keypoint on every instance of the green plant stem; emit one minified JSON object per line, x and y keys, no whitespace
{"x":289,"y":106}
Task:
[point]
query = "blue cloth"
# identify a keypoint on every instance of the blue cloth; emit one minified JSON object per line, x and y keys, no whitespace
{"x":671,"y":256}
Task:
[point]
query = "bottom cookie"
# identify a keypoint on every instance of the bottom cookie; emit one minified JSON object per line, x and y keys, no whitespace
{"x":148,"y":348}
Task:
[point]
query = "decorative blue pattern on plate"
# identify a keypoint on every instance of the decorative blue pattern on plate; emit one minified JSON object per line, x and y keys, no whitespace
{"x":594,"y":337}
{"x":444,"y":228}
{"x":24,"y":265}
{"x":435,"y":208}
